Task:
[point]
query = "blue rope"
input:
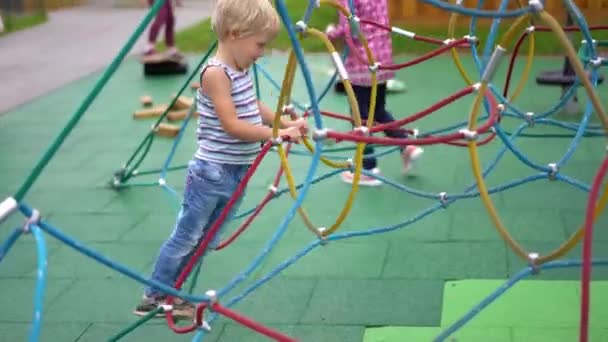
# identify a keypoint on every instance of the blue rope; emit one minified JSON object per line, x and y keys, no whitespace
{"x":40,"y":282}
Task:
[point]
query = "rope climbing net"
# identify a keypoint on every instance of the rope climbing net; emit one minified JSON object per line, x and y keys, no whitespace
{"x":477,"y":130}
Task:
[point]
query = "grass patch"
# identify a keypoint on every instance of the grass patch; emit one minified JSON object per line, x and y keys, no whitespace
{"x":199,"y":37}
{"x":17,"y":22}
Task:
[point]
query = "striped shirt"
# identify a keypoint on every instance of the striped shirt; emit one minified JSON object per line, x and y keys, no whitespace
{"x":379,"y":41}
{"x":214,"y":143}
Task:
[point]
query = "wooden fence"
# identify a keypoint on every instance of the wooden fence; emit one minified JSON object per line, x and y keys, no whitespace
{"x":413,"y":9}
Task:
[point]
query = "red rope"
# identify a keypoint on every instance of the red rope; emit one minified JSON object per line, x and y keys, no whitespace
{"x":358,"y":137}
{"x":212,"y":231}
{"x":587,"y":249}
{"x":258,"y":209}
{"x":423,"y":113}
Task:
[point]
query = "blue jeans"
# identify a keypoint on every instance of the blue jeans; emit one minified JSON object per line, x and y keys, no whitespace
{"x":209,"y":187}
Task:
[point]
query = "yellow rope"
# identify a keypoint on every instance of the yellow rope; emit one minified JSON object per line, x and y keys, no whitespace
{"x":355,"y":113}
{"x":284,"y":98}
{"x":454,"y":51}
{"x":571,"y":54}
{"x":483,"y":191}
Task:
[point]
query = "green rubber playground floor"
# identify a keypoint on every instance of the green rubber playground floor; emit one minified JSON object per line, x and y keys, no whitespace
{"x":397,"y":286}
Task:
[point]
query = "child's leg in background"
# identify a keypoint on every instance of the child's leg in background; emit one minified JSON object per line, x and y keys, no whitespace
{"x":363,"y":95}
{"x":383,"y":116}
{"x":170,"y":27}
{"x":408,"y":153}
{"x":162,"y":18}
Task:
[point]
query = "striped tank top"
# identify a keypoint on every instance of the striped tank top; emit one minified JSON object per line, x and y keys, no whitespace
{"x":215,"y":144}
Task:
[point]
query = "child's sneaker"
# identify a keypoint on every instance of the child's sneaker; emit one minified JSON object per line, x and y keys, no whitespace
{"x":364,"y":180}
{"x":181,"y":308}
{"x":409,"y":156}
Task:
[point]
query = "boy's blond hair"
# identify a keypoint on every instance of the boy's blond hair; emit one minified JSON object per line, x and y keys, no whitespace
{"x":244,"y":18}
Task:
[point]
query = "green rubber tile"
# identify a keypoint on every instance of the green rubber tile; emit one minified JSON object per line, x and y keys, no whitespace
{"x":375,"y":302}
{"x":22,"y":258}
{"x":95,"y":227}
{"x":88,"y":200}
{"x":364,"y":260}
{"x":318,"y":333}
{"x":68,"y":262}
{"x":516,"y":264}
{"x":48,"y":331}
{"x":543,"y":194}
{"x":575,"y":218}
{"x":280,"y":301}
{"x":427,"y":334}
{"x":154,"y":330}
{"x":143,"y":200}
{"x":451,"y":260}
{"x":18,"y":295}
{"x":539,"y":304}
{"x":556,"y":334}
{"x":97,"y":300}
{"x":525,"y":224}
{"x":154,"y":227}
{"x":221,"y":267}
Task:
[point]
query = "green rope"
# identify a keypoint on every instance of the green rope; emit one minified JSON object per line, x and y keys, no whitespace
{"x":137,"y":324}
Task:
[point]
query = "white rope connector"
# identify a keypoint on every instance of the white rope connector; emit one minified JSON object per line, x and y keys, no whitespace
{"x":162,"y":182}
{"x":166,"y":307}
{"x":323,"y":239}
{"x":415,"y":133}
{"x":471,"y":39}
{"x":212,"y":294}
{"x":362,"y":129}
{"x":501,"y":108}
{"x":337,"y":60}
{"x":7,"y":207}
{"x":319,"y":134}
{"x":530,"y":118}
{"x":532,"y":258}
{"x":276,"y":141}
{"x":476,"y":86}
{"x":374,"y":67}
{"x":273,"y":189}
{"x":468,"y":135}
{"x":596,"y":62}
{"x":289,"y":109}
{"x":536,"y":5}
{"x":553,"y":170}
{"x":301,"y":26}
{"x":530,"y":29}
{"x":493,"y":63}
{"x":32,"y":220}
{"x":449,"y":41}
{"x":443,"y":198}
{"x":349,"y":163}
{"x":403,"y":32}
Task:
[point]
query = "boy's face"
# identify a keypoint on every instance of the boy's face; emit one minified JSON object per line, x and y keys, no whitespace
{"x":248,"y":49}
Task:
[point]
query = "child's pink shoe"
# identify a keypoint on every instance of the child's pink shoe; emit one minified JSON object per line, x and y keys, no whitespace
{"x":364,"y":180}
{"x":409,"y":156}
